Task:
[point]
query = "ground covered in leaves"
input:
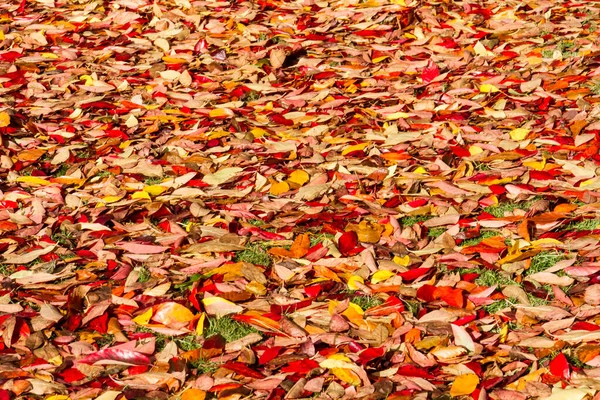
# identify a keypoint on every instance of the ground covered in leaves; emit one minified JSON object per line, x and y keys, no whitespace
{"x":359,"y":199}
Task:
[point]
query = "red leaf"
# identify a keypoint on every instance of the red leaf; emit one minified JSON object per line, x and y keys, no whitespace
{"x":414,"y":273}
{"x":348,"y":242}
{"x":584,"y":326}
{"x":371,"y":354}
{"x":313,"y":291}
{"x":72,"y":375}
{"x":281,"y":120}
{"x":269,"y":354}
{"x":100,"y":324}
{"x":430,"y":72}
{"x":426,"y":293}
{"x":460,"y":152}
{"x":300,"y":367}
{"x":559,"y":366}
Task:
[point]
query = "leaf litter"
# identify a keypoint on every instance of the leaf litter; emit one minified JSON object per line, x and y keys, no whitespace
{"x":346,"y":199}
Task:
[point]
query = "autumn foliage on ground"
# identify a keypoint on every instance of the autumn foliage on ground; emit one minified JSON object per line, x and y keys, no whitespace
{"x":346,"y":199}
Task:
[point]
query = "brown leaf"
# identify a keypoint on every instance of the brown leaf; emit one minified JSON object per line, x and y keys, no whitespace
{"x":277,"y":57}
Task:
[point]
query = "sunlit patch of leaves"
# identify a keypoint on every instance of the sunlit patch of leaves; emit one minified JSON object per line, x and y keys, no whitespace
{"x":544,"y":260}
{"x":366,"y":302}
{"x":230,"y":329}
{"x":254,"y":254}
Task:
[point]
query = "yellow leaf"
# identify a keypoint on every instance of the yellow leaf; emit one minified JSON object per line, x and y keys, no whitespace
{"x":144,"y":318}
{"x":420,"y":171}
{"x":403,"y":261}
{"x":256,"y":288}
{"x":588,"y":182}
{"x":356,"y":147}
{"x":154,"y":190}
{"x":258,"y":132}
{"x":56,"y":360}
{"x":140,"y":195}
{"x":221,"y":113}
{"x":354,"y":279}
{"x":379,"y":59}
{"x":50,"y":56}
{"x":519,"y":134}
{"x":503,"y":333}
{"x":537,"y":165}
{"x":33,"y":180}
{"x":540,"y":242}
{"x":58,"y":397}
{"x":464,"y":385}
{"x":278,"y":188}
{"x":474,"y":150}
{"x":487,"y":88}
{"x":346,"y":375}
{"x":200,"y":326}
{"x":111,"y":199}
{"x":299,"y":177}
{"x":381,"y":276}
{"x":89,"y":81}
{"x":4,"y":119}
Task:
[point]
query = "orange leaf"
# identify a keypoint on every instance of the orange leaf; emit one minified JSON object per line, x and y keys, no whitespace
{"x":454,"y":297}
{"x":523,"y":230}
{"x":30,"y":155}
{"x":300,"y":246}
{"x":172,"y":313}
{"x":4,"y":119}
{"x":280,"y":251}
{"x":565,"y":208}
{"x":464,"y":385}
{"x":193,"y":394}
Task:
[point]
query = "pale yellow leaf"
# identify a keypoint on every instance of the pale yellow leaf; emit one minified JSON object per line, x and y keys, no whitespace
{"x":519,"y":134}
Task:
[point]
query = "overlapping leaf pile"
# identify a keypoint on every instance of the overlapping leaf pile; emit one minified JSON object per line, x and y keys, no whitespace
{"x":335,"y":199}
